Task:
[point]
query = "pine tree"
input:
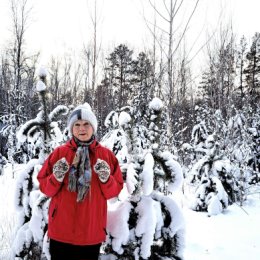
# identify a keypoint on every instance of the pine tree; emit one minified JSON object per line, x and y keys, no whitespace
{"x":138,"y":84}
{"x":243,"y":148}
{"x":119,"y":72}
{"x":103,"y":104}
{"x":212,"y":166}
{"x":146,"y":222}
{"x":43,"y":135}
{"x":213,"y":175}
{"x":252,"y":70}
{"x":254,"y":158}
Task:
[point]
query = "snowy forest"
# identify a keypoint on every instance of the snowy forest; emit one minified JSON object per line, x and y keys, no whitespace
{"x":168,"y":126}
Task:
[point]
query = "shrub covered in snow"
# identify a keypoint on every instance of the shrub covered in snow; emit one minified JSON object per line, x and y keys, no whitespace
{"x":42,"y":134}
{"x":145,"y":222}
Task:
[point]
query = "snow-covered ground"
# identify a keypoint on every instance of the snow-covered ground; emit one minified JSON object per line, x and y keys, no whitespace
{"x":235,"y":234}
{"x":7,"y":213}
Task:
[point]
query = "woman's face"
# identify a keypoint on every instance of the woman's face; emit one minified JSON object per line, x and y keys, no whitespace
{"x":82,"y":130}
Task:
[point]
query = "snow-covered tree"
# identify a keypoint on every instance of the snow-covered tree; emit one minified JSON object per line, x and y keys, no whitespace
{"x":146,"y":221}
{"x":210,"y":169}
{"x":225,"y":150}
{"x":41,"y":134}
{"x":8,"y":132}
{"x":193,"y":151}
{"x":3,"y":162}
{"x":17,"y":77}
{"x":254,"y":159}
{"x":243,"y":148}
{"x":216,"y":178}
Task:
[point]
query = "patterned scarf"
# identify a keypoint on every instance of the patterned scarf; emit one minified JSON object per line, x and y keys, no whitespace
{"x":80,"y":172}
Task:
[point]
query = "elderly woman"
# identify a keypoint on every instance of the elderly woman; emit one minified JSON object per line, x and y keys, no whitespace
{"x":79,"y":176}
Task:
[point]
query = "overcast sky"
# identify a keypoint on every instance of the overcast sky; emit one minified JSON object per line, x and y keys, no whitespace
{"x":61,"y":24}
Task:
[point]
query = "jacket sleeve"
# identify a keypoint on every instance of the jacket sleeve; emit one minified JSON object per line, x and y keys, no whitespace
{"x":48,"y":183}
{"x":115,"y":182}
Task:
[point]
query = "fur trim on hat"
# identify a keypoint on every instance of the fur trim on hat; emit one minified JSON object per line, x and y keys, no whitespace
{"x":82,"y":112}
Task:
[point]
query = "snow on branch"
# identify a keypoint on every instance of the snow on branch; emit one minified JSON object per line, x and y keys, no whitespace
{"x":59,"y":110}
{"x":156,"y":104}
{"x":172,"y":169}
{"x":147,"y":174}
{"x":146,"y":210}
{"x":118,"y":225}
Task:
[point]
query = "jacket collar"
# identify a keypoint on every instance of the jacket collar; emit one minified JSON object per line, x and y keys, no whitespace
{"x":74,"y":146}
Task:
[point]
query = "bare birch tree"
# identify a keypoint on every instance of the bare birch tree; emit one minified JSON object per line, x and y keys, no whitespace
{"x":21,"y":69}
{"x":174,"y":28}
{"x":20,"y":14}
{"x":92,"y":52}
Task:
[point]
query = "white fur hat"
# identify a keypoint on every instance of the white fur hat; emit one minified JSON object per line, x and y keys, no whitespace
{"x":82,"y":112}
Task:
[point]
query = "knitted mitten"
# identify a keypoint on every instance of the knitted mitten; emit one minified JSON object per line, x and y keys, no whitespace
{"x":103,"y":170}
{"x":60,"y":168}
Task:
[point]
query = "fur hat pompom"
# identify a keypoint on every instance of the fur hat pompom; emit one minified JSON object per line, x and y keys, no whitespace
{"x":82,"y":112}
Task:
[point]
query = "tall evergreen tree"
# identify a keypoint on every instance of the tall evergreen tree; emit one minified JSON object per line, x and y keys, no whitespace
{"x":143,"y":87}
{"x":103,"y":104}
{"x":140,"y":87}
{"x":252,"y":71}
{"x":243,"y":149}
{"x":254,"y":159}
{"x":119,"y":72}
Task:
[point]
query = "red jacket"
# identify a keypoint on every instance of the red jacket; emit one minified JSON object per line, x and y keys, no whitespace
{"x":79,"y":223}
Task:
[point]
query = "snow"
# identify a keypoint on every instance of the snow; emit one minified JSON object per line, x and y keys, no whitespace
{"x":156,"y":104}
{"x":147,"y":175}
{"x":131,"y":180}
{"x":112,"y":118}
{"x":146,"y":210}
{"x":124,"y":118}
{"x":176,"y":170}
{"x":234,"y":234}
{"x":42,"y":72}
{"x":118,"y":227}
{"x":40,"y":86}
